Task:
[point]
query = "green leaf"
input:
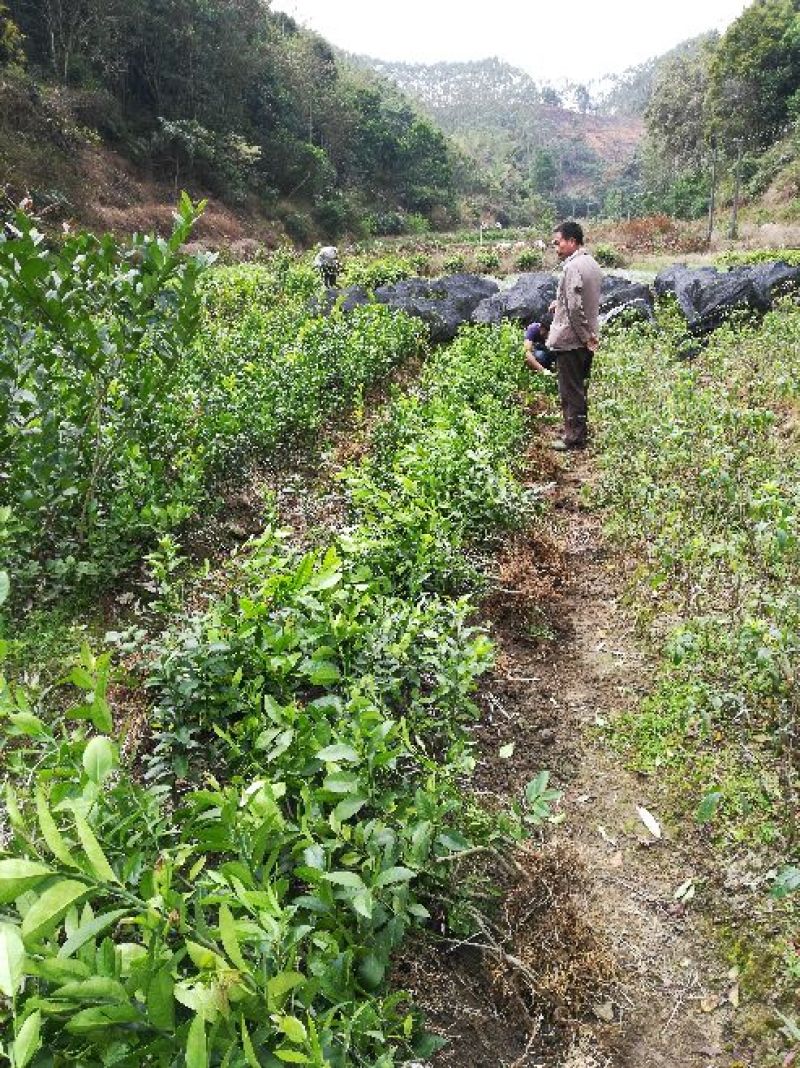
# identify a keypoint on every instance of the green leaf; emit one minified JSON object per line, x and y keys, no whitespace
{"x":5,"y":587}
{"x":294,"y":1029}
{"x":101,"y":1017}
{"x":324,"y":673}
{"x":98,"y":758}
{"x":349,"y":807}
{"x":26,"y":723}
{"x":51,"y":834}
{"x":363,"y":903}
{"x":12,"y":959}
{"x":280,"y":985}
{"x":395,"y":875}
{"x":247,"y":1046}
{"x":230,"y":939}
{"x":27,"y":1041}
{"x":47,"y":911}
{"x":18,"y":876}
{"x":371,"y":971}
{"x":196,"y":1050}
{"x":338,"y":752}
{"x":91,"y":847}
{"x":344,"y":878}
{"x":161,"y":1000}
{"x":89,"y":930}
{"x":292,"y":1056}
{"x":708,"y":807}
{"x":95,"y":988}
{"x":506,"y":751}
{"x":537,"y":786}
{"x":343,"y":783}
{"x":787,"y":882}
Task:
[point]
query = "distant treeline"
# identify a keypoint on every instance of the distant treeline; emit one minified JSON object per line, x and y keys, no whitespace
{"x":734,"y":98}
{"x":241,"y":99}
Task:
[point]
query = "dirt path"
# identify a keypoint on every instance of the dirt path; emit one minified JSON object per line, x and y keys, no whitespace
{"x":618,"y":972}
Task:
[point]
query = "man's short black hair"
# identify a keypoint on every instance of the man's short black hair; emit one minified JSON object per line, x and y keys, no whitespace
{"x":572,"y":231}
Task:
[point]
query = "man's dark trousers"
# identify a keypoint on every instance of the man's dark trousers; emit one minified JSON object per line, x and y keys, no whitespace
{"x":574,"y":368}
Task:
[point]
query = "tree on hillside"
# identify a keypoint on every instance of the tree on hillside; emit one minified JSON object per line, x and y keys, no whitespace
{"x":676,"y":114}
{"x":11,"y":50}
{"x":754,"y":73}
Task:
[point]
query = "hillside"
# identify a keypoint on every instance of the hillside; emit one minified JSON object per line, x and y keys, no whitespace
{"x":223,"y":98}
{"x":520,"y":131}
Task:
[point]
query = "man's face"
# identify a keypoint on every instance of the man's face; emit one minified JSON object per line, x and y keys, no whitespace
{"x":564,"y":246}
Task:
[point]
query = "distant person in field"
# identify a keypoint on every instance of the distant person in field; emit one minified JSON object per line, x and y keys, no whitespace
{"x":327,"y":263}
{"x":537,"y":355}
{"x":574,"y":335}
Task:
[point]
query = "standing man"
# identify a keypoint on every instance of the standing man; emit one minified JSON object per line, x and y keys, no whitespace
{"x":574,"y":333}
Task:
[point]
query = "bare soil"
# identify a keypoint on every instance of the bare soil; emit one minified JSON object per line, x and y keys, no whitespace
{"x":591,"y":961}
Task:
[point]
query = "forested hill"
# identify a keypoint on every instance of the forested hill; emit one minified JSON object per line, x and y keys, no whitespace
{"x":108,"y":103}
{"x":532,"y":139}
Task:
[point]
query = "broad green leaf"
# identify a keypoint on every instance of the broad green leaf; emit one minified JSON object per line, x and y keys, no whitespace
{"x":161,"y":1000}
{"x":371,"y":971}
{"x":28,"y":1040}
{"x":101,"y":1017}
{"x":96,"y":988}
{"x":505,"y":752}
{"x":343,"y":783}
{"x":81,"y":678}
{"x":91,"y":847}
{"x":49,"y":909}
{"x":51,"y":834}
{"x":395,"y":875}
{"x":292,"y":1056}
{"x":787,"y":882}
{"x":280,"y":985}
{"x":98,"y":758}
{"x":324,"y":673}
{"x":196,"y":1050}
{"x":26,"y":723}
{"x":349,"y":807}
{"x":294,"y":1029}
{"x":205,"y":959}
{"x":97,"y":712}
{"x":707,"y":808}
{"x":12,"y":959}
{"x":338,"y":752}
{"x":363,"y":903}
{"x":17,"y":876}
{"x":537,"y":786}
{"x":229,"y":938}
{"x":89,"y":930}
{"x":344,"y":878}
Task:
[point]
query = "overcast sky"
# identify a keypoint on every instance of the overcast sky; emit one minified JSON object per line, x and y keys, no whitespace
{"x":575,"y":39}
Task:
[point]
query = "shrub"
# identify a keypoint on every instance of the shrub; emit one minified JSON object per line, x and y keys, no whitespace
{"x":371,"y":273}
{"x":454,"y":264}
{"x":299,"y":226}
{"x":529,"y":260}
{"x":487,"y":260}
{"x":608,"y":256}
{"x":745,"y":257}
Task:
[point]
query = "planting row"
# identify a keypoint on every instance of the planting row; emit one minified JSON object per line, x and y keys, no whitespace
{"x":127,"y":389}
{"x":702,"y":482}
{"x":303,"y":796}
